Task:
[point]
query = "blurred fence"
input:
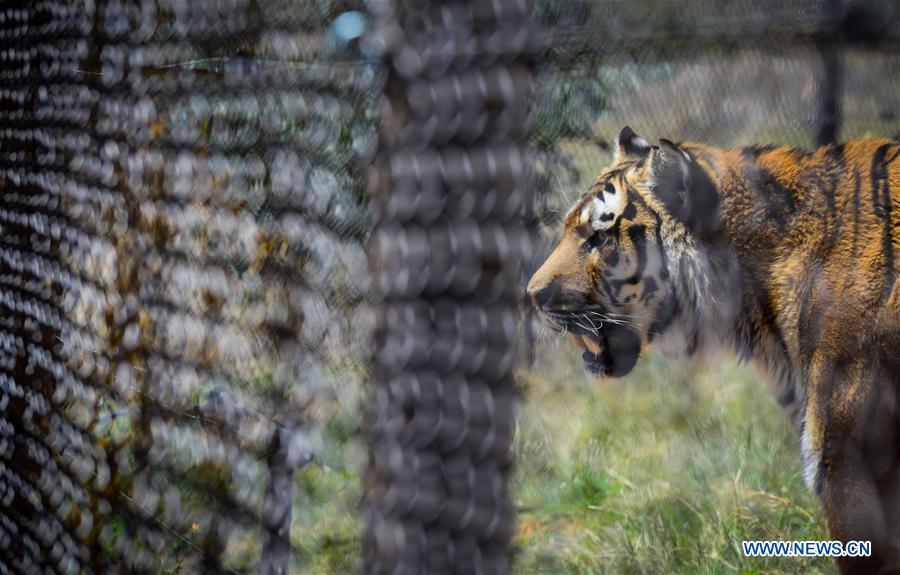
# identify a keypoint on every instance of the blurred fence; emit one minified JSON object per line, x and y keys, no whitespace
{"x":181,"y":255}
{"x":183,"y":231}
{"x":727,"y":73}
{"x":446,"y":260}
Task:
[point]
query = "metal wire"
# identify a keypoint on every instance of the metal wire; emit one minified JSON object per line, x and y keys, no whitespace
{"x":187,"y":213}
{"x":446,"y":261}
{"x":182,"y":187}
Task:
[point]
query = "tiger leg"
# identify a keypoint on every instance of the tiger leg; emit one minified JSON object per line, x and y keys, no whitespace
{"x":853,"y":509}
{"x":839,"y":400}
{"x":884,"y":460}
{"x":889,"y":447}
{"x":890,"y":503}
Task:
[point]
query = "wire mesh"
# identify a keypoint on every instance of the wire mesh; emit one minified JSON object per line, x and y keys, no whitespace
{"x":185,"y":228}
{"x":446,"y":262}
{"x":182,"y":220}
{"x":745,"y":72}
{"x":638,"y":476}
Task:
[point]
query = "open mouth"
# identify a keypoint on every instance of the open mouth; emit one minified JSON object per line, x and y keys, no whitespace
{"x":611,"y":351}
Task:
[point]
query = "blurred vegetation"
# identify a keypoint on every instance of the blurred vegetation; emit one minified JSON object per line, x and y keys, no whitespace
{"x":661,"y":472}
{"x":664,"y":471}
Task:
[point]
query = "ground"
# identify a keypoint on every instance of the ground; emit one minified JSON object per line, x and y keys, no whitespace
{"x":660,"y":472}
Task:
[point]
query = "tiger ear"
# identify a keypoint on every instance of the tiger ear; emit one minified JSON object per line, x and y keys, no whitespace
{"x":630,"y":145}
{"x":671,"y":175}
{"x":684,"y":188}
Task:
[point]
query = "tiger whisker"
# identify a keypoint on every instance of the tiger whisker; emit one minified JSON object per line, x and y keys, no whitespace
{"x":614,"y":320}
{"x":632,"y":315}
{"x":562,"y":319}
{"x":584,"y":327}
{"x":610,"y":313}
{"x":595,"y":329}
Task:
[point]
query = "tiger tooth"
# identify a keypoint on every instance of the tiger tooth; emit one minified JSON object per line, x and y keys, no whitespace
{"x":578,"y":340}
{"x":591,"y":345}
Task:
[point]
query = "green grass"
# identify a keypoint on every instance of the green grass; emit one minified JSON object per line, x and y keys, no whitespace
{"x":661,"y":472}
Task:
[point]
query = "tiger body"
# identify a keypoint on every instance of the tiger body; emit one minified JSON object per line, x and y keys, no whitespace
{"x":787,"y":257}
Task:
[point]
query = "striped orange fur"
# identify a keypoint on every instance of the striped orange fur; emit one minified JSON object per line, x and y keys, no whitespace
{"x":789,"y":258}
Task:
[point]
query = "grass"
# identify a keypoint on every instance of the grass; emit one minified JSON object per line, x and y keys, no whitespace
{"x":660,"y":472}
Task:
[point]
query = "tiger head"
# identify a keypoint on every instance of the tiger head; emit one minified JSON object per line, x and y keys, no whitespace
{"x":612,"y":281}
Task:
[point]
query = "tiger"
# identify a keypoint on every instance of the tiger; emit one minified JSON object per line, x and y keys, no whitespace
{"x":785,"y":257}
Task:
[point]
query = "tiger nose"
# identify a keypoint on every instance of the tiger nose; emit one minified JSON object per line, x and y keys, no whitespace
{"x":540,"y":295}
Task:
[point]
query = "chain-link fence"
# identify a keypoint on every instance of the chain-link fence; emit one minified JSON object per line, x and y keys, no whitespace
{"x":723,"y":73}
{"x":183,"y":217}
{"x":446,"y":260}
{"x":187,"y":217}
{"x":671,"y":468}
